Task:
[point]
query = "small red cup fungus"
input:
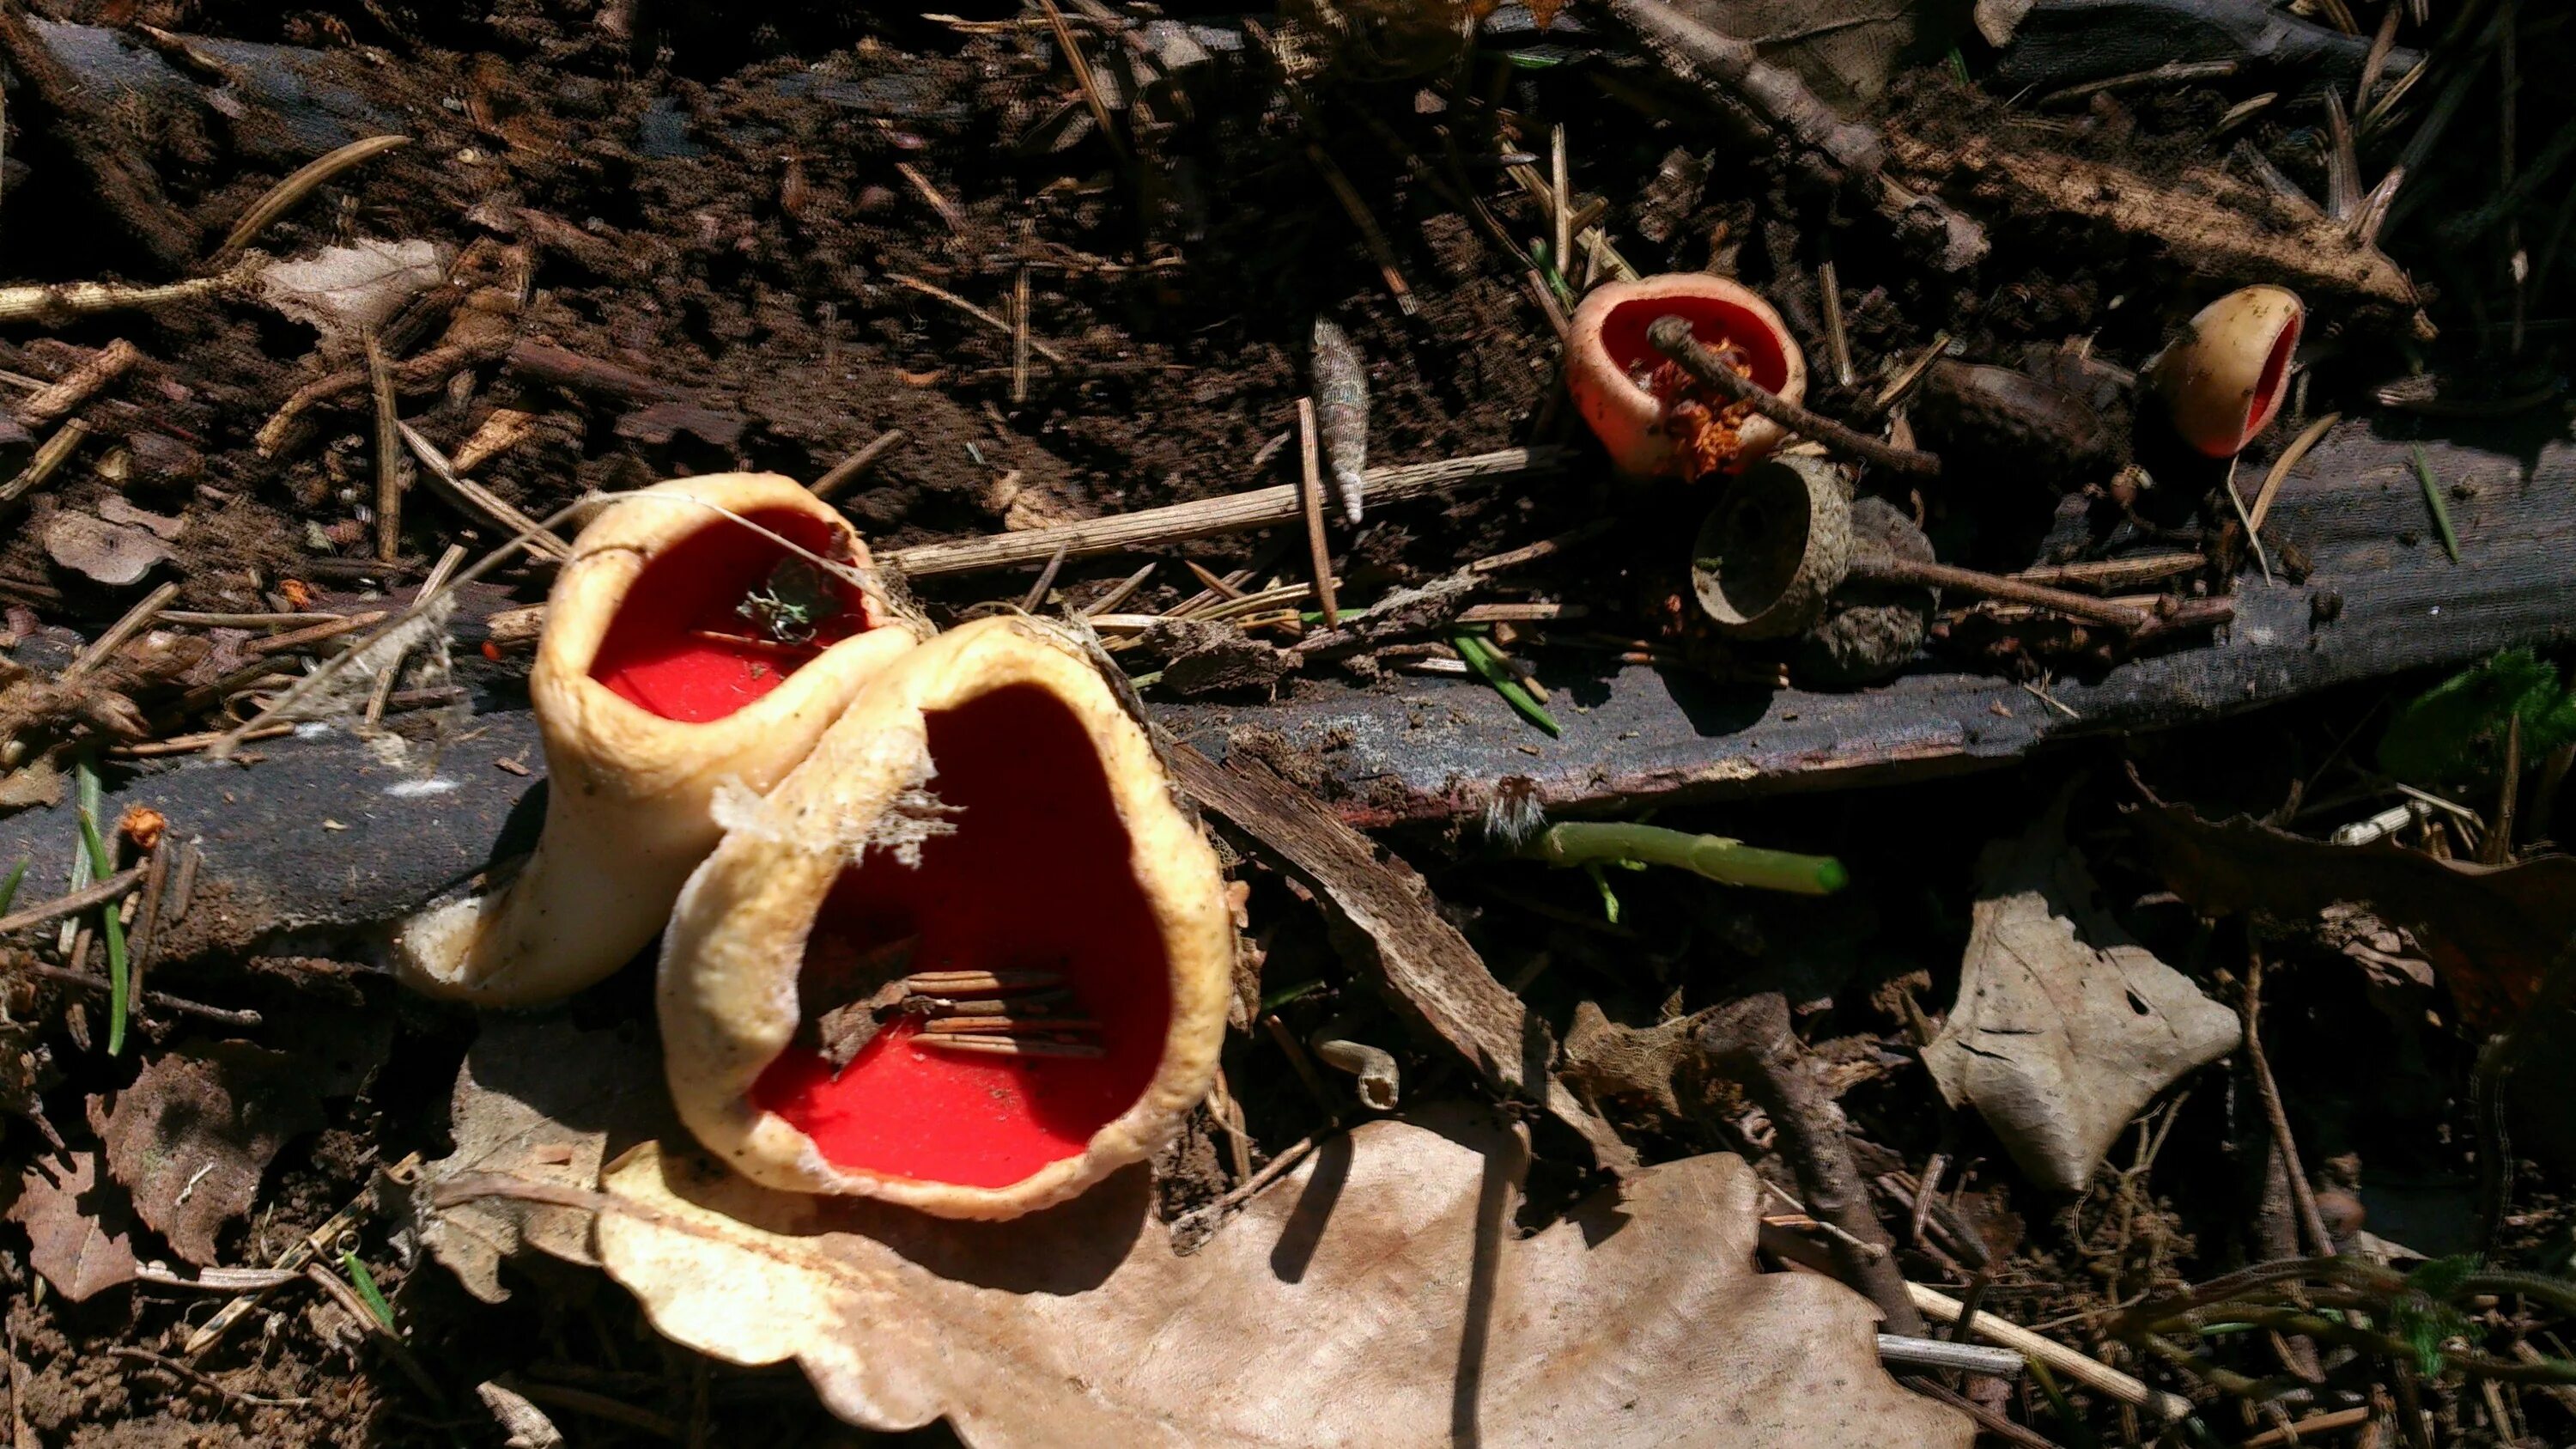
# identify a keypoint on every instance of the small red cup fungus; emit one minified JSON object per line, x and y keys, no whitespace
{"x":1654,"y":418}
{"x":686,"y":645}
{"x":971,"y":956}
{"x":2223,"y":379}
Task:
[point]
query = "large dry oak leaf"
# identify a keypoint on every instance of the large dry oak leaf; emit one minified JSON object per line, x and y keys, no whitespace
{"x":1375,"y":1296}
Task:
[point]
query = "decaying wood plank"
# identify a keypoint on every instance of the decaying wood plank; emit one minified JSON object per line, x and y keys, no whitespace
{"x":2212,"y":224}
{"x":1383,"y":920}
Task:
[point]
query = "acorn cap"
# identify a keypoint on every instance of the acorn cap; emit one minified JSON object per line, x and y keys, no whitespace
{"x":985,"y":838}
{"x":645,"y":708}
{"x":1772,"y":550}
{"x":1608,"y":352}
{"x":2223,"y":379}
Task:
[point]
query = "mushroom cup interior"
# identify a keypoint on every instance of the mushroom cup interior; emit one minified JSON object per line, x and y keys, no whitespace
{"x":1035,"y":877}
{"x":1712,"y":320}
{"x":2276,"y":369}
{"x":712,"y":624}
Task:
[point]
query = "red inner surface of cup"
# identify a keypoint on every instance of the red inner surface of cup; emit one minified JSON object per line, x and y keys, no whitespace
{"x":1712,"y":319}
{"x":1036,"y":877}
{"x":680,"y":645}
{"x":2267,"y":387}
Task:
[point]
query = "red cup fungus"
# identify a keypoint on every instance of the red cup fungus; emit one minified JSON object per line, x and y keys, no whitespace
{"x":688,"y":643}
{"x":1655,"y":419}
{"x":2223,"y":379}
{"x":972,"y":956}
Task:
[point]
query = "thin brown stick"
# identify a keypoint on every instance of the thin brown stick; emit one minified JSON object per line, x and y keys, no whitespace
{"x":2270,"y":1091}
{"x":1009,"y":1046}
{"x":1562,"y":213}
{"x":476,"y":498}
{"x":1521,"y":613}
{"x":2497,"y":847}
{"x":429,"y":369}
{"x":1020,"y":339}
{"x":1119,"y":592}
{"x":948,"y":210}
{"x":49,"y":456}
{"x":383,"y":1333}
{"x":1045,"y":581}
{"x":60,"y":304}
{"x":157,"y":1000}
{"x":2289,"y":459}
{"x":1223,"y":588}
{"x":1829,"y":298}
{"x":998,"y":324}
{"x":2297,"y":1432}
{"x":1242,"y":1192}
{"x":1672,"y":337}
{"x":187,"y":618}
{"x":1370,"y":236}
{"x":1310,"y":484}
{"x":389,"y":482}
{"x":597,"y":1406}
{"x":147,"y":920}
{"x":135,"y":621}
{"x":1544,"y":548}
{"x":848,"y":471}
{"x":1091,"y":93}
{"x":1883,"y":568}
{"x":286,"y":195}
{"x":1987,"y":1419}
{"x":383,"y":693}
{"x":298,"y":638}
{"x":80,"y":384}
{"x":80,"y":900}
{"x":1233,"y":513}
{"x":2115,"y":573}
{"x":505,"y":429}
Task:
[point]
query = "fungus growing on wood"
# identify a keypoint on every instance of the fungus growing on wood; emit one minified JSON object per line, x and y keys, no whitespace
{"x":706,"y":630}
{"x":972,"y":956}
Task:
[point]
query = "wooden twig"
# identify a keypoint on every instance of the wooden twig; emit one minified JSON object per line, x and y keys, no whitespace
{"x":998,"y":324}
{"x":1233,"y":513}
{"x":389,"y":480}
{"x":48,"y":456}
{"x":1311,"y":486}
{"x":1672,"y":337}
{"x":297,"y":638}
{"x":1370,"y":236}
{"x":1091,"y":93}
{"x":947,"y":209}
{"x":112,"y":888}
{"x":286,"y":195}
{"x":1987,"y":1419}
{"x":80,"y":384}
{"x":415,"y":374}
{"x":136,"y":620}
{"x":479,"y":499}
{"x":2301,"y":1193}
{"x":1887,"y":568}
{"x":2113,"y":573}
{"x":1562,"y":214}
{"x":1119,"y":592}
{"x":1544,"y":548}
{"x":1750,"y":1041}
{"x":1046,"y":580}
{"x":60,"y":304}
{"x":2093,"y":1374}
{"x":386,"y":678}
{"x":849,"y":470}
{"x":1020,"y":339}
{"x":157,"y":1000}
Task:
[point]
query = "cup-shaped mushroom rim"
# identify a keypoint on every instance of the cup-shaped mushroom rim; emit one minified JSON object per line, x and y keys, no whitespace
{"x":1610,"y":351}
{"x":729,"y":993}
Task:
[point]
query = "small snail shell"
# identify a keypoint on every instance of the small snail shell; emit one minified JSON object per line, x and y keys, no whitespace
{"x":2222,"y":379}
{"x":1609,"y":352}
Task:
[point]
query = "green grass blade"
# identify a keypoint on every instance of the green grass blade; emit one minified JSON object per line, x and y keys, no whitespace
{"x":9,"y":887}
{"x":111,"y":917}
{"x":367,"y":1289}
{"x":1481,"y":659}
{"x":2433,"y":500}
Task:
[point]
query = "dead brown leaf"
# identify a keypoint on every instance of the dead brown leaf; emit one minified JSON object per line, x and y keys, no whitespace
{"x":538,"y":1100}
{"x":2065,"y":1027}
{"x":1383,"y":921}
{"x":76,"y":1229}
{"x":2491,"y":931}
{"x":1376,"y":1295}
{"x":194,"y":1133}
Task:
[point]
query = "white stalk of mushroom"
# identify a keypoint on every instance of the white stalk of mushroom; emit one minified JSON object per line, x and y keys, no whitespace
{"x":706,"y":631}
{"x":971,"y":956}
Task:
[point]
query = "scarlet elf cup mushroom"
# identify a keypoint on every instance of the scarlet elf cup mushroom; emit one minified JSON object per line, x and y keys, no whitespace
{"x":2223,"y":379}
{"x":1655,"y":419}
{"x":971,"y":956}
{"x":693,"y":639}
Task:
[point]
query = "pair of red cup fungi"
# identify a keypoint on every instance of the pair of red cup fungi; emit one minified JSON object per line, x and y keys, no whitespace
{"x":736,"y":719}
